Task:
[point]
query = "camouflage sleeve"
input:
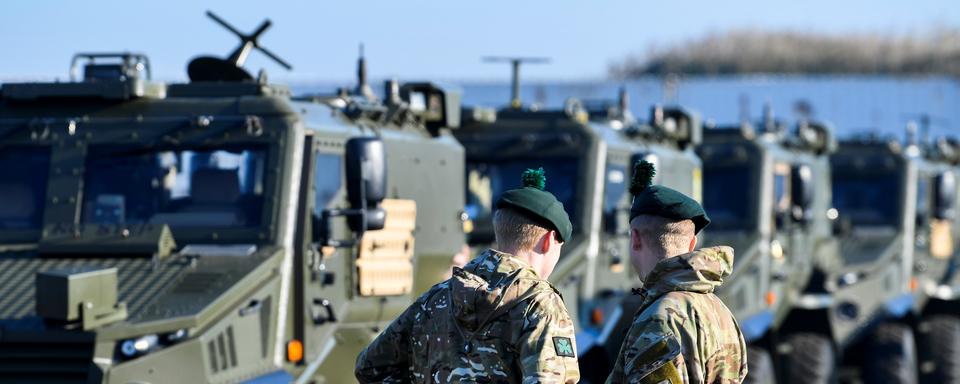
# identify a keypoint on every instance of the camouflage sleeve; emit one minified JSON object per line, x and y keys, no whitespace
{"x":547,"y":345}
{"x":653,"y":351}
{"x":386,"y":359}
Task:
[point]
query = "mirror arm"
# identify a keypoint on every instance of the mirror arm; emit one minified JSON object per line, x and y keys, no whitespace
{"x":327,"y":215}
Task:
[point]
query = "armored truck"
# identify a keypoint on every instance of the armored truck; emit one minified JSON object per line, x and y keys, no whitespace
{"x":219,"y":230}
{"x":937,"y":304}
{"x":930,"y":169}
{"x":877,"y":200}
{"x":587,"y":150}
{"x":765,"y":188}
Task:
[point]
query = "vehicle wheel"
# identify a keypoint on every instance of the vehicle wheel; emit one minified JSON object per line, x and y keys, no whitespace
{"x":891,"y":355}
{"x":759,"y":366}
{"x":939,"y":347}
{"x":810,"y":359}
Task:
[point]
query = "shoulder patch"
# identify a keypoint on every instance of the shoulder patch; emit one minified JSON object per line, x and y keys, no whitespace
{"x":654,"y":364}
{"x":563,"y":346}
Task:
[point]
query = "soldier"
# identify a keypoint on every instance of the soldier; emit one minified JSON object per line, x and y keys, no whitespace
{"x":682,"y":332}
{"x":497,"y":319}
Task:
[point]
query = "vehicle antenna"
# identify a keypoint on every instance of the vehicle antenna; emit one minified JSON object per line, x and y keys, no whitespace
{"x":363,"y":88}
{"x":248,"y":42}
{"x":515,"y":63}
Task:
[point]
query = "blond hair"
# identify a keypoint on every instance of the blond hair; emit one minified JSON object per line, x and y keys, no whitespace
{"x":666,"y":237}
{"x":515,"y":231}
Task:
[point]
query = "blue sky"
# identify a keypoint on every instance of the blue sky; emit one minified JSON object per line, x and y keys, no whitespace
{"x":415,"y":39}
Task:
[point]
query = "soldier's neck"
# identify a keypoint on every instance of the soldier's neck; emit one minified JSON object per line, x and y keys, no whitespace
{"x":533,"y":259}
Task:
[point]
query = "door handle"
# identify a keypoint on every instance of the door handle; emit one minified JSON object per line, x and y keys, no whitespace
{"x":322,"y":318}
{"x":253,"y":306}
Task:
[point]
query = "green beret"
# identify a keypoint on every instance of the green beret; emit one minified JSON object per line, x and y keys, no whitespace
{"x":657,"y":200}
{"x":538,"y":204}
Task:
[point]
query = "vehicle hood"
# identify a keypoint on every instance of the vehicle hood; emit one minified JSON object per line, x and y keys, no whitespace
{"x":152,"y":289}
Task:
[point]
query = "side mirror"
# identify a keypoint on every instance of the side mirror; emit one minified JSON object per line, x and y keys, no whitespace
{"x":945,"y":189}
{"x":366,"y":171}
{"x":801,"y":191}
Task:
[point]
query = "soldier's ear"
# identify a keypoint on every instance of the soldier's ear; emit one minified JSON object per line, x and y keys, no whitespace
{"x":693,"y":244}
{"x":635,"y":239}
{"x":545,"y":241}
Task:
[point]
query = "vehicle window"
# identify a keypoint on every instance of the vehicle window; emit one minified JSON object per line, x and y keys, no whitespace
{"x":327,"y":180}
{"x":613,"y":193}
{"x":923,"y":197}
{"x":781,"y":194}
{"x":866,"y":198}
{"x":487,"y":180}
{"x":23,"y":186}
{"x":220,"y":187}
{"x":728,"y":208}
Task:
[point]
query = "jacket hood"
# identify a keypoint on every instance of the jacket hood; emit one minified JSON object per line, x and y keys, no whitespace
{"x":491,"y":284}
{"x":700,"y":271}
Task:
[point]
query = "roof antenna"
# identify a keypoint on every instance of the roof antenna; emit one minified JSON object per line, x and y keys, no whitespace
{"x":363,"y":89}
{"x":515,"y":62}
{"x":769,"y":120}
{"x":207,"y":68}
{"x":623,"y":100}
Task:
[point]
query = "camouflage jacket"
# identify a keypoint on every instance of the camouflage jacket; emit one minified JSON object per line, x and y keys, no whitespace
{"x":682,"y":332}
{"x":495,"y":320}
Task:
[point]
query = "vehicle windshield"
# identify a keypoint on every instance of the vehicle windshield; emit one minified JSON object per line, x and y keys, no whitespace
{"x":487,"y":180}
{"x":728,"y":211}
{"x":866,"y":198}
{"x":220,"y":187}
{"x":23,"y":186}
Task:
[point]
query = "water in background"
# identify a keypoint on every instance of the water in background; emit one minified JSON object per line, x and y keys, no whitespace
{"x":853,"y":104}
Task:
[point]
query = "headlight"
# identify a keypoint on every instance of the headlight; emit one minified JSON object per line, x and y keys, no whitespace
{"x":139,"y":346}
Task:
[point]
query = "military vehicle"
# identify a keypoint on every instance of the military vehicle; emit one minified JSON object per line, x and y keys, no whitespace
{"x":764,"y":187}
{"x":937,"y":297}
{"x":913,"y":185}
{"x":218,"y":230}
{"x":587,"y":150}
{"x":892,"y":213}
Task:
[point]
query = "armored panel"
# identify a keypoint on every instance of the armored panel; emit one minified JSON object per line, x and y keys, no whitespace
{"x":107,"y":90}
{"x":385,"y":262}
{"x":141,"y":239}
{"x":61,"y":292}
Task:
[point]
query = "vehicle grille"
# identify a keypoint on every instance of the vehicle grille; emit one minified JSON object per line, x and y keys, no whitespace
{"x":47,"y":358}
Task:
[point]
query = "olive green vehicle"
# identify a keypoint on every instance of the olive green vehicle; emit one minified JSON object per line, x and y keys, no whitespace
{"x":850,"y":253}
{"x":766,"y":189}
{"x":908,"y":189}
{"x":218,"y":230}
{"x":937,"y":296}
{"x":892,"y":218}
{"x":587,"y":150}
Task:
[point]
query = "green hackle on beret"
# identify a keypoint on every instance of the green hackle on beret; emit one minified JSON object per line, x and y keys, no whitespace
{"x":657,"y":200}
{"x":534,"y":201}
{"x":643,"y":173}
{"x":534,"y":178}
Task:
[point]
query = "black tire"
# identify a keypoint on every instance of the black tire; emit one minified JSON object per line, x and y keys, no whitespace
{"x":809,"y":359}
{"x":891,"y":355}
{"x":759,"y":367}
{"x":938,"y":342}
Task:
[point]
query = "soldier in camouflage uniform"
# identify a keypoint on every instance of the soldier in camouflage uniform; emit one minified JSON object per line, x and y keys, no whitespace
{"x":495,"y":320}
{"x":682,"y":332}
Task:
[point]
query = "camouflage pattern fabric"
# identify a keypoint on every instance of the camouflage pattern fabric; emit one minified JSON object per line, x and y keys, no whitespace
{"x":494,"y":321}
{"x":682,"y":332}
